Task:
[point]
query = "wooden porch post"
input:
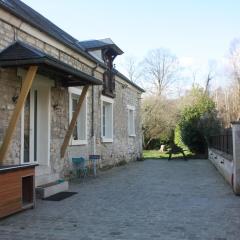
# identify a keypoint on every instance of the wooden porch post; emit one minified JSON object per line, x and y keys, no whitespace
{"x":73,"y":121}
{"x":26,"y":86}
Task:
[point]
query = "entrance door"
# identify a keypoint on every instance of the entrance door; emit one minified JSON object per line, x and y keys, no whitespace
{"x":36,"y":124}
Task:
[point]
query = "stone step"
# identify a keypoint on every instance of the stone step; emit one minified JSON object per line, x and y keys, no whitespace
{"x":46,"y":178}
{"x":51,"y":188}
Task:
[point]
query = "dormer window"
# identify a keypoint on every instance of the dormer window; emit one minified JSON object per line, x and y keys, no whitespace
{"x":104,"y":50}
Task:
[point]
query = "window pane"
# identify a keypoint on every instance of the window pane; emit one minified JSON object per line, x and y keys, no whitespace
{"x":35,"y":124}
{"x":79,"y":132}
{"x":75,"y":133}
{"x":107,"y":120}
{"x":104,"y":120}
{"x":81,"y":123}
{"x":74,"y":102}
{"x":26,"y":129}
{"x":74,"y":105}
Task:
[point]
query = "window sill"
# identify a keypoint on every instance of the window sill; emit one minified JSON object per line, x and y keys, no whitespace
{"x":107,"y":140}
{"x":79,"y":142}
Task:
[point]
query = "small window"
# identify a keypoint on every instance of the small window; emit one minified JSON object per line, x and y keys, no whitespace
{"x":79,"y":136}
{"x":107,"y":119}
{"x":131,"y":120}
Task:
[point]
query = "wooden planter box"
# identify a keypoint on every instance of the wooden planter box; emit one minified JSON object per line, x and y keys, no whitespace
{"x":17,"y":188}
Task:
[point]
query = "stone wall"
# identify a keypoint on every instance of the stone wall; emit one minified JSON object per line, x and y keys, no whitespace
{"x":229,"y":165}
{"x":123,"y":147}
{"x":223,"y":162}
{"x":10,"y":86}
{"x":59,"y":126}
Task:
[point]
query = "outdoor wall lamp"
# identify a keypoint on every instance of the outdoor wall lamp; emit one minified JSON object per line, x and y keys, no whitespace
{"x":17,"y":91}
{"x":15,"y":98}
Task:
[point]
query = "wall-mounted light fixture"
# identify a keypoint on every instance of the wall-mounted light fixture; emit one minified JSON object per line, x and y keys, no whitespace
{"x":15,"y":98}
{"x":16,"y":95}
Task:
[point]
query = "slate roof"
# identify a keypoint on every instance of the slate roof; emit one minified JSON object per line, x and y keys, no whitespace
{"x":101,"y":43}
{"x":26,"y":13}
{"x":128,"y":80}
{"x":20,"y":51}
{"x":21,"y":54}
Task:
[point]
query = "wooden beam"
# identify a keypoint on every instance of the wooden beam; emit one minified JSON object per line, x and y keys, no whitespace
{"x":73,"y":121}
{"x":26,"y":86}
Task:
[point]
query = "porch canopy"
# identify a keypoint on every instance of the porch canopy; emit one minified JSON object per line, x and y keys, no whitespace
{"x":20,"y":54}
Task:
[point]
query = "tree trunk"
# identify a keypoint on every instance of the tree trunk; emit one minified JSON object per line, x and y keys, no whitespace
{"x":147,"y":144}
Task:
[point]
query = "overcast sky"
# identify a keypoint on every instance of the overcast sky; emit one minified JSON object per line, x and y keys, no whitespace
{"x":195,"y":30}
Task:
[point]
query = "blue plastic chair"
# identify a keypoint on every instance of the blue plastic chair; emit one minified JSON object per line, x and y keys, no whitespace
{"x":79,"y":164}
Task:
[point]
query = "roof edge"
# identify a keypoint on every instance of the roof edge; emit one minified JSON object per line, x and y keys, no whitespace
{"x":119,"y":74}
{"x":40,"y":58}
{"x":75,"y":48}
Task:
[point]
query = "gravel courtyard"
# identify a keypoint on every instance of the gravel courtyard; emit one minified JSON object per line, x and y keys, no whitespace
{"x":154,"y":199}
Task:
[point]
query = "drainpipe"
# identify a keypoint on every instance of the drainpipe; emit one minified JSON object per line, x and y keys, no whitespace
{"x":93,"y":130}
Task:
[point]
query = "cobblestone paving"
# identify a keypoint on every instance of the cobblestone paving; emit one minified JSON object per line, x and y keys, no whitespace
{"x":154,"y":199}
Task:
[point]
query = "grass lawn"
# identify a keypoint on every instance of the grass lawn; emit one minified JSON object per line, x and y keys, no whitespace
{"x":155,"y":154}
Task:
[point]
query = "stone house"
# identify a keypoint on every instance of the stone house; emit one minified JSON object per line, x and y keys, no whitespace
{"x":76,"y":103}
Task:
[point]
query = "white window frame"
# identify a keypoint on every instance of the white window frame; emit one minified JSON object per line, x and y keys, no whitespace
{"x":78,"y":91}
{"x":111,"y":101}
{"x":131,"y":108}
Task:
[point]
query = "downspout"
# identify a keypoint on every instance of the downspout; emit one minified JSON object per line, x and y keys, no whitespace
{"x":93,"y":129}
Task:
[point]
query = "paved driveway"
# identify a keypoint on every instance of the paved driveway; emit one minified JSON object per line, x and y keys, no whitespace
{"x":154,"y":199}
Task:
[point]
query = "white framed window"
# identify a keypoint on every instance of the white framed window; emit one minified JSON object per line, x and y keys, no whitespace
{"x":131,"y":121}
{"x":107,"y":119}
{"x":79,"y":136}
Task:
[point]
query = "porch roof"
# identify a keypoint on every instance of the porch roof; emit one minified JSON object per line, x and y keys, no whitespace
{"x":20,"y":54}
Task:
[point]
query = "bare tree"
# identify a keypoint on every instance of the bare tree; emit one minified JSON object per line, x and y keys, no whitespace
{"x":210,"y":75}
{"x":159,"y":117}
{"x":161,"y":69}
{"x":194,"y":74}
{"x":234,"y":59}
{"x":131,"y":67}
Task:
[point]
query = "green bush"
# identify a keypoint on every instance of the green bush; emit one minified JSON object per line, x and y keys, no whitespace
{"x":178,"y":138}
{"x":198,"y":121}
